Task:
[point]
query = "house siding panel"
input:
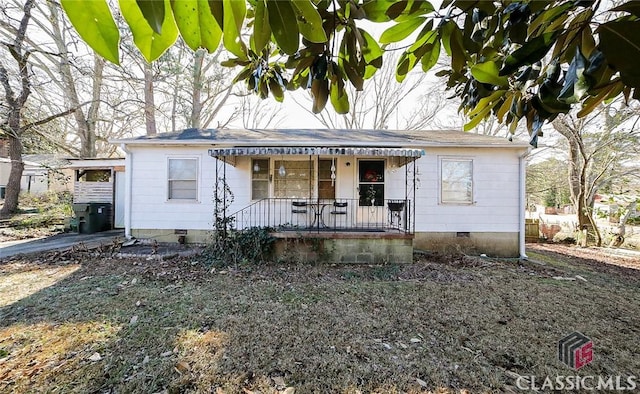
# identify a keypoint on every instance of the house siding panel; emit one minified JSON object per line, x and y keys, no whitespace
{"x":495,"y":193}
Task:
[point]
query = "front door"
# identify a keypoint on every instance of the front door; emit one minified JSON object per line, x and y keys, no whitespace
{"x":370,"y":177}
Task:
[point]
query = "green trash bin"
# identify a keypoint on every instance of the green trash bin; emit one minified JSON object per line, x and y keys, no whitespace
{"x":92,"y":217}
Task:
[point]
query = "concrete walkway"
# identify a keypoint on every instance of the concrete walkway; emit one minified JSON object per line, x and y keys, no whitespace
{"x":57,"y":242}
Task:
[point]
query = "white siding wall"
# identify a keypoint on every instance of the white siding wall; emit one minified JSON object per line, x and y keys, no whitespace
{"x":150,"y":208}
{"x":496,"y":207}
{"x":495,"y":192}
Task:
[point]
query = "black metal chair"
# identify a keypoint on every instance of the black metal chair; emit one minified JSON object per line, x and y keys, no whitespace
{"x":339,"y":209}
{"x":299,"y":208}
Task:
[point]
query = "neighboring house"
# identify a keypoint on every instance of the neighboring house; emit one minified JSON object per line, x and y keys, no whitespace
{"x":42,"y":173}
{"x":374,"y":195}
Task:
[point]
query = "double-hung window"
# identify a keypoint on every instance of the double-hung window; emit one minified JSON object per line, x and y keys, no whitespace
{"x":183,"y":179}
{"x":259,"y":179}
{"x":456,"y":181}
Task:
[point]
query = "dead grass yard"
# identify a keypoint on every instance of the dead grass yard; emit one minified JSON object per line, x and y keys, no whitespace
{"x":85,"y":323}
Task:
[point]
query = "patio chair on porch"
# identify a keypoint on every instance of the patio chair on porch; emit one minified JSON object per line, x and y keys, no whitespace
{"x":339,"y":210}
{"x":299,"y":213}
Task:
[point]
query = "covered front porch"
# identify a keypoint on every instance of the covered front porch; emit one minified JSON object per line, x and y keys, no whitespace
{"x":327,"y":190}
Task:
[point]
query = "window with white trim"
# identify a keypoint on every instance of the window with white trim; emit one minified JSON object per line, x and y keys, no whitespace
{"x":183,"y":179}
{"x":456,"y":181}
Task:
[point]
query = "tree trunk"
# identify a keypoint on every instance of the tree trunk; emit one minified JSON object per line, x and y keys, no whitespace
{"x":14,"y":105}
{"x":86,"y":124}
{"x":196,"y":93}
{"x":12,"y":191}
{"x":149,"y":102}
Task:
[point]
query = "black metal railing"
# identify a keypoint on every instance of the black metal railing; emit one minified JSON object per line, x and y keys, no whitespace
{"x":342,"y":214}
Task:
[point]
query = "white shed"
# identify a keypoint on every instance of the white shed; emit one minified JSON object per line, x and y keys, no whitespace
{"x":431,"y":189}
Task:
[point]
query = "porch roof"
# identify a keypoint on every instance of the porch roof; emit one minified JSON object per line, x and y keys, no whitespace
{"x":300,"y":150}
{"x":342,"y":138}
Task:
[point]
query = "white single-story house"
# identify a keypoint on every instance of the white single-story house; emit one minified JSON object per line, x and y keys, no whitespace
{"x":375,"y":194}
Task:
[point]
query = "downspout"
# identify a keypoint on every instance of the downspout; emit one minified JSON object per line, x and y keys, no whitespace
{"x":522,"y":206}
{"x":128,"y":171}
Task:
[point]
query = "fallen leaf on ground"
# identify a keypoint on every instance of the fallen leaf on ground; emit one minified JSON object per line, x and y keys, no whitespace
{"x":95,"y":357}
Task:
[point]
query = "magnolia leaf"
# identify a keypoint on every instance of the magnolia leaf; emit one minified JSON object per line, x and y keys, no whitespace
{"x":309,"y":21}
{"x":276,"y":90}
{"x":632,"y":7}
{"x":401,"y":31}
{"x":430,"y":58}
{"x":151,"y":44}
{"x":490,"y":101}
{"x":376,"y":10}
{"x":198,"y":27}
{"x":458,"y":51}
{"x":234,"y":14}
{"x":506,"y":105}
{"x":261,"y":27}
{"x":575,"y":84}
{"x":473,"y":122}
{"x":338,"y":95}
{"x":153,"y":12}
{"x":547,"y":17}
{"x":286,"y":33}
{"x":529,"y":53}
{"x":620,"y":44}
{"x":426,"y":35}
{"x":370,"y":49}
{"x":487,"y":72}
{"x":414,"y":8}
{"x":593,"y":101}
{"x":94,"y":23}
{"x":320,"y":94}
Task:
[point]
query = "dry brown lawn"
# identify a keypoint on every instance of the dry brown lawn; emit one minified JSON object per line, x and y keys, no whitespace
{"x":80,"y":322}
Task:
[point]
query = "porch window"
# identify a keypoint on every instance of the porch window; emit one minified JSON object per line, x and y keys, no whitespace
{"x":326,"y":184}
{"x":456,"y":181}
{"x":259,"y":179}
{"x":371,"y":182}
{"x":295,"y":180}
{"x":183,"y":179}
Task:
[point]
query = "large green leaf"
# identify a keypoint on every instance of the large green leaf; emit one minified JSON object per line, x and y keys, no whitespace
{"x":196,"y":23}
{"x":261,"y":27}
{"x":620,"y":44}
{"x":151,"y":44}
{"x":458,"y":51}
{"x":575,"y":83}
{"x":94,"y":23}
{"x":234,"y":14}
{"x":430,"y":58}
{"x":338,"y":95}
{"x":632,"y":7}
{"x":309,"y":21}
{"x":401,"y":31}
{"x":376,"y":10}
{"x":414,"y":8}
{"x":320,"y":94}
{"x":153,"y":11}
{"x":532,"y":51}
{"x":371,"y":50}
{"x":487,"y":72}
{"x":285,"y":31}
